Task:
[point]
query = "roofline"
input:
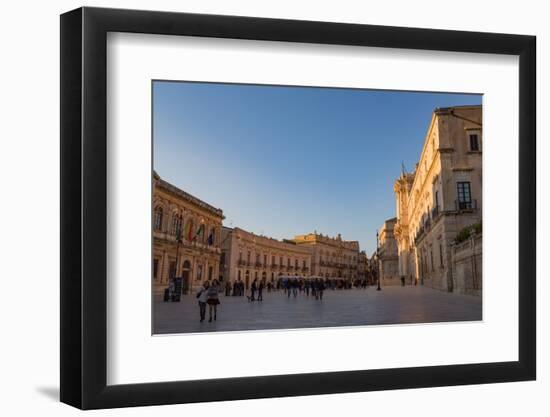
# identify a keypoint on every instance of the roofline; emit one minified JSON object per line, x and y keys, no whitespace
{"x":189,"y":197}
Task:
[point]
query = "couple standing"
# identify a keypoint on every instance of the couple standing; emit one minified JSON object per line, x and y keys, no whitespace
{"x":255,"y":287}
{"x":208,"y":294}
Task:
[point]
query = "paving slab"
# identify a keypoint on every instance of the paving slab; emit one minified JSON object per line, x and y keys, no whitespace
{"x":355,"y":307}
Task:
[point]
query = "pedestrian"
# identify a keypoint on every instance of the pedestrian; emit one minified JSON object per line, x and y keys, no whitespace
{"x":307,"y":285}
{"x":260,"y":291}
{"x":227,"y":288}
{"x":253,"y":289}
{"x":321,"y":289}
{"x":203,"y":298}
{"x":213,"y":299}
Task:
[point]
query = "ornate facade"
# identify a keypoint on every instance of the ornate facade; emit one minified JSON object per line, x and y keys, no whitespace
{"x":186,"y":236}
{"x":441,"y":197}
{"x":387,"y":254}
{"x":362,"y":266}
{"x":247,"y":256}
{"x":331,"y":257}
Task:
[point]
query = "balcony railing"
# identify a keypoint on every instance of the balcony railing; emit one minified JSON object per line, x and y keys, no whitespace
{"x":258,"y":264}
{"x":466,"y":205}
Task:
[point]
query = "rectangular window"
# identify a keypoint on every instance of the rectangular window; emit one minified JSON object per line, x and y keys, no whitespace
{"x":464,"y":195}
{"x":441,"y":256}
{"x":474,"y":142}
{"x":155,"y":268}
{"x":432,"y":259}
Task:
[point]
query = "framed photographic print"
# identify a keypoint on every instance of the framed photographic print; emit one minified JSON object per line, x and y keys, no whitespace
{"x":257,"y":207}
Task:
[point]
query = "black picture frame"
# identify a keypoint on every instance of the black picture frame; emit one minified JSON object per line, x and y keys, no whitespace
{"x":84,"y":207}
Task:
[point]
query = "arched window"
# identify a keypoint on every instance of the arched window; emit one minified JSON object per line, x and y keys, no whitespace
{"x":212,"y":237}
{"x":157,"y":220}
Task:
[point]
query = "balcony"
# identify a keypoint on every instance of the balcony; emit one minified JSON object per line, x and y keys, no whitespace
{"x":274,"y":266}
{"x":466,"y":205}
{"x":241,"y":262}
{"x":258,"y":264}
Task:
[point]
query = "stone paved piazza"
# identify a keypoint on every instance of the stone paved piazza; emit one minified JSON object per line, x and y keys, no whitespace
{"x":356,"y":307}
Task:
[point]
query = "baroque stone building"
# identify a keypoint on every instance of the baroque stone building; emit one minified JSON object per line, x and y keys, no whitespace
{"x":362,"y":266}
{"x":247,"y":256}
{"x":440,"y":198}
{"x":186,"y":236}
{"x":331,"y":257}
{"x":387,"y":254}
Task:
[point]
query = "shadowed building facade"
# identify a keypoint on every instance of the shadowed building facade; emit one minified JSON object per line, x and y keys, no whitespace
{"x":248,"y":256}
{"x":441,"y":198}
{"x":362,"y":266}
{"x":387,"y":254}
{"x":331,"y":257}
{"x":186,"y":236}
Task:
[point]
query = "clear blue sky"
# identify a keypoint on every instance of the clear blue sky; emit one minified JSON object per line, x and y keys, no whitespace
{"x":283,"y":161}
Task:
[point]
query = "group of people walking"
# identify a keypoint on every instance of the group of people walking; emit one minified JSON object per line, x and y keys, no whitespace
{"x":208,"y":293}
{"x":315,"y":286}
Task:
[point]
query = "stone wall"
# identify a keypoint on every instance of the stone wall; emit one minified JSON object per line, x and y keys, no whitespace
{"x":467,"y":266}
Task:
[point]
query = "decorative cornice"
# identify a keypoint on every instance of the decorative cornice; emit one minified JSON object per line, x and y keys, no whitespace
{"x":166,"y":186}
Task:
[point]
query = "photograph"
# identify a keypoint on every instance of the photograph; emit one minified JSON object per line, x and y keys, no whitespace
{"x":291,"y":207}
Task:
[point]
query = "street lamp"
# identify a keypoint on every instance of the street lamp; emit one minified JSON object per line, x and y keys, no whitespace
{"x":378,"y":288}
{"x":178,"y":241}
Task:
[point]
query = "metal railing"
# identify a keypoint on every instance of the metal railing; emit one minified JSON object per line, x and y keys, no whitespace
{"x":465,"y":205}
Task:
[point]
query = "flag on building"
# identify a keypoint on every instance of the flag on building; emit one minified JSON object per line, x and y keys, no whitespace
{"x":200,"y":231}
{"x":189,"y":230}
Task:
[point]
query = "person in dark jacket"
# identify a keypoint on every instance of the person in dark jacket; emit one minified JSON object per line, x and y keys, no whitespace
{"x":260,"y":291}
{"x":253,"y":289}
{"x":321,"y":288}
